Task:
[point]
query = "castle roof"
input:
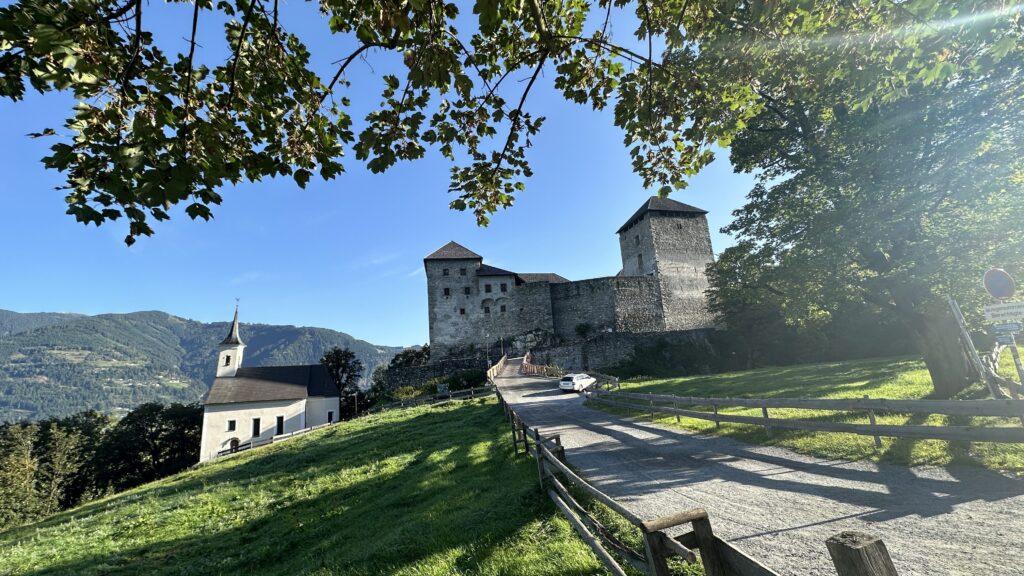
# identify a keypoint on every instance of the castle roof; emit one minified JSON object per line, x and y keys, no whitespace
{"x":453,"y":251}
{"x":488,"y":270}
{"x":233,"y":339}
{"x":661,"y":205}
{"x":268,"y":383}
{"x":550,"y":277}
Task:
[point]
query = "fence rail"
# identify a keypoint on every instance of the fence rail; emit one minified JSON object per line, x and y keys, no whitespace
{"x":669,"y":404}
{"x":529,"y":369}
{"x":495,"y":370}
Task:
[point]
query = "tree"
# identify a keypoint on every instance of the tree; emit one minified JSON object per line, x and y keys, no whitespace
{"x":150,"y":442}
{"x":344,"y":367}
{"x":19,"y":498}
{"x":152,"y":130}
{"x":411,"y":357}
{"x":378,"y":384}
{"x":896,"y":197}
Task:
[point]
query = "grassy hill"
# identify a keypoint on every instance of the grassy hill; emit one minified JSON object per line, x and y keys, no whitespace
{"x":59,"y":364}
{"x":877,"y":378}
{"x":416,"y":492}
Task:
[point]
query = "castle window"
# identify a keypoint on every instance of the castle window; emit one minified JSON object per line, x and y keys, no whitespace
{"x":330,"y":416}
{"x":487,"y":309}
{"x":502,"y":308}
{"x":504,"y":287}
{"x":640,"y":262}
{"x":679,"y":225}
{"x":231,"y":425}
{"x":487,"y":288}
{"x":637,"y":239}
{"x":227,"y":360}
{"x":447,"y":292}
{"x":255,"y":427}
{"x":280,"y":425}
{"x":462,"y":311}
{"x":444,"y":272}
{"x":462,"y":271}
{"x":467,"y":291}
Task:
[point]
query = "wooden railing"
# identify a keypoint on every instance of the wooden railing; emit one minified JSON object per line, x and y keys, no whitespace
{"x":529,"y":369}
{"x":670,"y":405}
{"x":494,"y":371}
{"x":852,"y":553}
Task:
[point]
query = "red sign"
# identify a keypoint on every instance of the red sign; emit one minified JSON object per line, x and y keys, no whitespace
{"x":999,"y":284}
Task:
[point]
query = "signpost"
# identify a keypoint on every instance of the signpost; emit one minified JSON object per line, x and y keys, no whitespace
{"x":1001,"y":286}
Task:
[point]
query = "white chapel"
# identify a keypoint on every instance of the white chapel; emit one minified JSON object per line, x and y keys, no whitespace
{"x":246,"y":405}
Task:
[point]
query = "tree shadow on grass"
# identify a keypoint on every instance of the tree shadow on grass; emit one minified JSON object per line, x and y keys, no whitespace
{"x":456,"y":497}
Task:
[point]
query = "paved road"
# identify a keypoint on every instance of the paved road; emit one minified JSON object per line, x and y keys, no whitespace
{"x":779,"y":506}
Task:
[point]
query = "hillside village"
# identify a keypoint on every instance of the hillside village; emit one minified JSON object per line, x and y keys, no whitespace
{"x":816,"y":372}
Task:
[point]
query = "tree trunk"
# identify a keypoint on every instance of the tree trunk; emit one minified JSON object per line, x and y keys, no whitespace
{"x":938,"y":339}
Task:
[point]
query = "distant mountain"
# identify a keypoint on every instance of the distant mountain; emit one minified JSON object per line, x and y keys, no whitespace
{"x":59,"y":364}
{"x":15,"y":322}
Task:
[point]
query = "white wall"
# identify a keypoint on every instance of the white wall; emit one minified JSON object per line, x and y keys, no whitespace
{"x":215,"y":422}
{"x":317,"y":408}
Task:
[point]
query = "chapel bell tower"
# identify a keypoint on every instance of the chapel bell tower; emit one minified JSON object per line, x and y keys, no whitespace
{"x":231,"y":349}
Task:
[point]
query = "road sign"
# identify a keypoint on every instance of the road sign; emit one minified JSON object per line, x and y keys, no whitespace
{"x":1005,"y":339}
{"x":1008,"y":327}
{"x":1005,"y":311}
{"x":998,"y":283}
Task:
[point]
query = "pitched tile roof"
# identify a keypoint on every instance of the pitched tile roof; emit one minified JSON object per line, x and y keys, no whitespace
{"x":659,"y":204}
{"x":487,"y":270}
{"x":453,"y":251}
{"x":551,"y":277}
{"x":267,"y":383}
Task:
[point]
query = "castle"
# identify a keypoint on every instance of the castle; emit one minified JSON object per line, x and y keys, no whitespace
{"x":665,"y":246}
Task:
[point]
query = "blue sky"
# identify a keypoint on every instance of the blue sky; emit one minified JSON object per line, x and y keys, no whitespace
{"x":345,"y":254}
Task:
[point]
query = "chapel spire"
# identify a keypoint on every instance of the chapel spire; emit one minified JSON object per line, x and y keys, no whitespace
{"x":233,"y":339}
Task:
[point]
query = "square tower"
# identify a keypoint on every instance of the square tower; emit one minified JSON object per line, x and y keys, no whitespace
{"x":452,"y":294}
{"x":671,"y":241}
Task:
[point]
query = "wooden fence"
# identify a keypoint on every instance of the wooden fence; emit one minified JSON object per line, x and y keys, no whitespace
{"x":530,"y":369}
{"x":494,"y":371}
{"x":670,"y":405}
{"x":853,"y":554}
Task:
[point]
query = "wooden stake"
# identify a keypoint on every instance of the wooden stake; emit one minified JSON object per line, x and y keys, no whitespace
{"x":859,"y":554}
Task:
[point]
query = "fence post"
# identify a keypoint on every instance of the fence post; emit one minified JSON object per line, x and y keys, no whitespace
{"x":675,"y":404}
{"x":515,"y":438}
{"x":656,"y":556}
{"x":540,"y":458}
{"x":718,"y":424}
{"x":859,"y":554}
{"x":560,"y":451}
{"x":709,"y":556}
{"x":651,"y":395}
{"x":871,"y":418}
{"x":767,"y":421}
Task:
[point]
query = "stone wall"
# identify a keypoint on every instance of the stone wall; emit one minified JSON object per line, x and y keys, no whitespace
{"x":682,"y":254}
{"x":615,"y":304}
{"x":608,"y":350}
{"x":418,"y":375}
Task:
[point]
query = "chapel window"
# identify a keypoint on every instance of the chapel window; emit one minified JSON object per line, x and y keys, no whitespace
{"x":280,"y":425}
{"x":255,"y":427}
{"x":227,"y":360}
{"x":231,"y":425}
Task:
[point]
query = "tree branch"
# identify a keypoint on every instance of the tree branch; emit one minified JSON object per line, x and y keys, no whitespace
{"x":191,"y":54}
{"x":341,"y":70}
{"x":519,"y":113}
{"x":238,"y":49}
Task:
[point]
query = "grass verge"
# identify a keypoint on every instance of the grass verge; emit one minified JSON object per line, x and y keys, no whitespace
{"x":877,"y":378}
{"x":422,"y":491}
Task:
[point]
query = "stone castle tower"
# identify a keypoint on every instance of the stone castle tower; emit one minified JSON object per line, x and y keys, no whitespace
{"x":670,"y":241}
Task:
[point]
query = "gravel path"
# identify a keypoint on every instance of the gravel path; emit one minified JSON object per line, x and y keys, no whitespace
{"x":779,"y":506}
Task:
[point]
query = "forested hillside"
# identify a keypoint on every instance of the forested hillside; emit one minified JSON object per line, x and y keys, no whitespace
{"x":59,"y":364}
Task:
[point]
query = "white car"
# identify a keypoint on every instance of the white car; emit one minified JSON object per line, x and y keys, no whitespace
{"x":576,"y":382}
